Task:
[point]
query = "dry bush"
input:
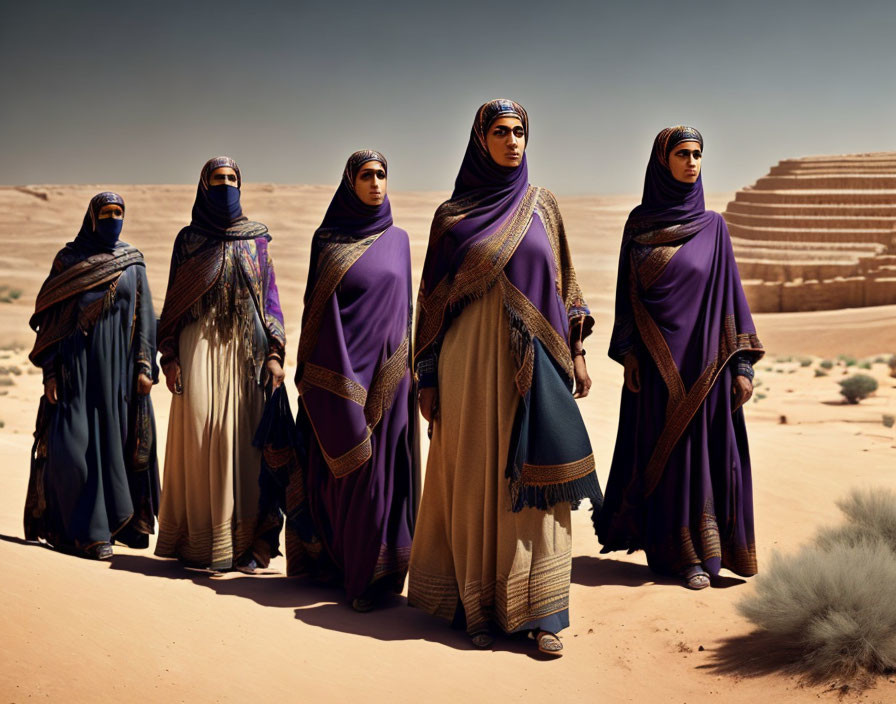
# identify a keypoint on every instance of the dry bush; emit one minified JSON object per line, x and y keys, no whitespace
{"x":835,"y":600}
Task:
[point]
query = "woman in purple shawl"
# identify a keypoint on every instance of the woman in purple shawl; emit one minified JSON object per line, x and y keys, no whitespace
{"x":221,"y":338}
{"x":680,"y":486}
{"x":498,"y":348}
{"x":94,"y":475}
{"x":357,"y":416}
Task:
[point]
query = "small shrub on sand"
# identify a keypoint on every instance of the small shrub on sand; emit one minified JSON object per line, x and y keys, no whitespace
{"x":805,"y":361}
{"x":759,"y":396}
{"x":847,"y":360}
{"x":892,"y":364}
{"x":820,"y":372}
{"x":826,"y":364}
{"x":8,"y":295}
{"x":888,"y":420}
{"x":857,"y":387}
{"x":864,"y":365}
{"x":6,"y":381}
{"x":834,"y":601}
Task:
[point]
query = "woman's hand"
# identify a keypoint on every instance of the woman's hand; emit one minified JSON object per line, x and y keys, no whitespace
{"x":275,"y":369}
{"x":173,"y":377}
{"x":583,"y":381}
{"x":427,"y":399}
{"x":50,"y":391}
{"x":742,"y":388}
{"x":144,"y":384}
{"x":632,"y":373}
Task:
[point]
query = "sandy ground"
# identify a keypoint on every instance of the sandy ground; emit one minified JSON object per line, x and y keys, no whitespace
{"x":141,"y":628}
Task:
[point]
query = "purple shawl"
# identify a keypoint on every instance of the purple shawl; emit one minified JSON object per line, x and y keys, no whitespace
{"x":355,"y":342}
{"x":679,"y":299}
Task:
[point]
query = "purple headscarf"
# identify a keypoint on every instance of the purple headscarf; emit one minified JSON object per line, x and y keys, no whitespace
{"x":211,"y":221}
{"x":667,"y":204}
{"x":485,"y":195}
{"x":347,"y":214}
{"x":87,"y":239}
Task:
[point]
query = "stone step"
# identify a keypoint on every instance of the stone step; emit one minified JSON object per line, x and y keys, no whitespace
{"x":804,"y":221}
{"x":813,"y":210}
{"x":839,"y":181}
{"x":771,"y":270}
{"x":819,"y":196}
{"x":841,"y":158}
{"x":885,"y":237}
{"x":873,"y":248}
{"x":842,"y":292}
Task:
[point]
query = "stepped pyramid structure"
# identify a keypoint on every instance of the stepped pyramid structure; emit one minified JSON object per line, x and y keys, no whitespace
{"x":818,"y":233}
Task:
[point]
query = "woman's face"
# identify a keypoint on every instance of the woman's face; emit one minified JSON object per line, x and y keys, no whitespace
{"x":506,"y":141}
{"x":223,"y":176}
{"x":370,"y":183}
{"x":111,"y":210}
{"x":685,"y":160}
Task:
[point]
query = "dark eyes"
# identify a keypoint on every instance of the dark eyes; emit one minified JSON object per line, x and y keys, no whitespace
{"x":367,"y":175}
{"x":518,"y":132}
{"x":685,"y":153}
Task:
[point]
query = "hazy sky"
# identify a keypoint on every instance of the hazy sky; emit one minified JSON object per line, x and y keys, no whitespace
{"x":144,"y":92}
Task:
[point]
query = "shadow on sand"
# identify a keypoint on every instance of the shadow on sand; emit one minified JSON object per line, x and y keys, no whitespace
{"x":590,"y":571}
{"x":320,"y":606}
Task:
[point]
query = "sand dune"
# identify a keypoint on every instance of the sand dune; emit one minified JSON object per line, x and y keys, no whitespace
{"x":143,"y":629}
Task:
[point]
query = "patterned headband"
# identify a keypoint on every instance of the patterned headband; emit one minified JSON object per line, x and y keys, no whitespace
{"x":671,"y":137}
{"x":217,"y":163}
{"x":494,"y":109}
{"x":101,"y":199}
{"x":357,"y":160}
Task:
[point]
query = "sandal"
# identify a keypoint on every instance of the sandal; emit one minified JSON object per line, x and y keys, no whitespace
{"x":482,"y":640}
{"x":548,"y":643}
{"x":362,"y":604}
{"x":100,"y":551}
{"x":695,"y":578}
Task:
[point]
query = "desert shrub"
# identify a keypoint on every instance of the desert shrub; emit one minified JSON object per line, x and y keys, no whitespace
{"x":864,"y":365}
{"x":759,"y":397}
{"x":888,"y":420}
{"x":6,"y":381}
{"x":892,"y":364}
{"x":826,"y":364}
{"x":8,"y":295}
{"x":857,"y":387}
{"x":820,"y":372}
{"x":805,"y":361}
{"x":783,"y":360}
{"x":848,"y":360}
{"x":835,"y":600}
{"x":880,"y":360}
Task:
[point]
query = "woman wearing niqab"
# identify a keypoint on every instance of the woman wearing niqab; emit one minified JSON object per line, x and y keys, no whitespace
{"x":94,"y":474}
{"x":500,"y":325}
{"x":357,"y":405}
{"x":221,"y":338}
{"x":680,"y":484}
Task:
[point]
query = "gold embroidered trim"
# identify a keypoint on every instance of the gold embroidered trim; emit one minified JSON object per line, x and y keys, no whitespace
{"x":543,"y":474}
{"x":654,"y":264}
{"x":481,"y":266}
{"x":336,"y":258}
{"x":681,"y":406}
{"x":335,"y":383}
{"x":539,"y":327}
{"x":347,"y":462}
{"x":385,"y":382}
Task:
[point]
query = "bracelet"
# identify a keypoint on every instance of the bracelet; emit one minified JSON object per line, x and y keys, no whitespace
{"x":578,"y":353}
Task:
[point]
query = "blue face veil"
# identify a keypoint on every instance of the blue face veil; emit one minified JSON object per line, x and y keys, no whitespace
{"x":100,"y":235}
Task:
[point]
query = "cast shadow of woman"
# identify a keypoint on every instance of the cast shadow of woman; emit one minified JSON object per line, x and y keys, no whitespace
{"x":314,"y":604}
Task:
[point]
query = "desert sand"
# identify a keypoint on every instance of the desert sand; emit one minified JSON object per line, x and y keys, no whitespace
{"x":144,"y":629}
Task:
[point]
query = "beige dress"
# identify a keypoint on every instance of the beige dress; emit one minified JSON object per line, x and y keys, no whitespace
{"x":210,"y":492}
{"x":511,"y":569}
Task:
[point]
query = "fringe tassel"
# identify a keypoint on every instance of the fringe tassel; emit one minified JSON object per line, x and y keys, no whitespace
{"x":543,"y":497}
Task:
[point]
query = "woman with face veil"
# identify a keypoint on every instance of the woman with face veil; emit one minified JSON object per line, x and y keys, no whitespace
{"x":679,"y":486}
{"x":221,"y":338}
{"x":357,"y":410}
{"x":500,"y":325}
{"x":94,"y":475}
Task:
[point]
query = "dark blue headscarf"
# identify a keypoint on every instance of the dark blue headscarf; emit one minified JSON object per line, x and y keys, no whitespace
{"x":347,"y":214}
{"x":213,"y":221}
{"x":89,"y":240}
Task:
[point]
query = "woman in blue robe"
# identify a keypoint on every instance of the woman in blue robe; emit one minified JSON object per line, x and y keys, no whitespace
{"x":94,"y":474}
